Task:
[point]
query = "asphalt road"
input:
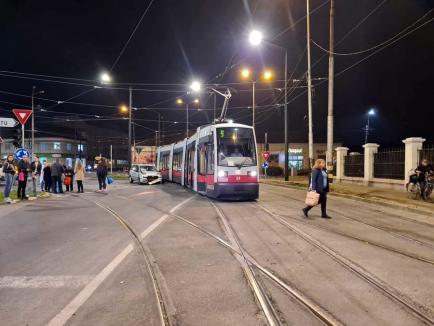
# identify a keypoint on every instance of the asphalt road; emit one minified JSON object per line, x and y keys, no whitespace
{"x":153,"y":255}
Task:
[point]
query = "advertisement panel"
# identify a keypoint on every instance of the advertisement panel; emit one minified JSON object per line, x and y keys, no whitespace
{"x":144,"y":155}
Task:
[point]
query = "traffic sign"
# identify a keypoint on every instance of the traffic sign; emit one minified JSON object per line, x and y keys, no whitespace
{"x":20,"y":152}
{"x":8,"y":122}
{"x":265,"y":165}
{"x":266,"y":155}
{"x":22,"y":115}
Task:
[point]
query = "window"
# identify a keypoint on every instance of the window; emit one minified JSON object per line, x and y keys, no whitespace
{"x":147,"y":168}
{"x":69,"y":147}
{"x":80,"y":147}
{"x":210,"y":159}
{"x":177,"y":161}
{"x":202,"y":159}
{"x":236,"y":147}
{"x":43,"y":147}
{"x":56,"y":146}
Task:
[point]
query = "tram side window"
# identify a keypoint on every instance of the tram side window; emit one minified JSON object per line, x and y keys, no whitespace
{"x":177,"y":161}
{"x":210,"y":159}
{"x":165,"y":162}
{"x":202,"y":159}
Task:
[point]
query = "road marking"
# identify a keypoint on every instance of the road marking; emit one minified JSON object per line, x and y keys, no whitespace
{"x":144,"y":193}
{"x":48,"y":281}
{"x":63,"y":316}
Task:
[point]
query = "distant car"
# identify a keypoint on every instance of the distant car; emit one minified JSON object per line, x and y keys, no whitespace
{"x":144,"y":174}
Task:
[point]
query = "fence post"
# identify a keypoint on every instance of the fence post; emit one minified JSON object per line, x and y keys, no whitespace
{"x":370,"y":150}
{"x":341,"y":152}
{"x":412,"y":147}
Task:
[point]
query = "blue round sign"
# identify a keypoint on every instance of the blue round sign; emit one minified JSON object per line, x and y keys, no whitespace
{"x":20,"y":152}
{"x":265,"y":165}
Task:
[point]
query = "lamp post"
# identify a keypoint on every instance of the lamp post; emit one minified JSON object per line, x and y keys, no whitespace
{"x":34,"y":92}
{"x":255,"y":39}
{"x":370,"y":113}
{"x":179,"y":101}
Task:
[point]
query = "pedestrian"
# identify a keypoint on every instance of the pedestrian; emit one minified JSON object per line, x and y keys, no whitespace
{"x":79,"y":175}
{"x":422,"y":171}
{"x":9,"y":172}
{"x":36,"y":168}
{"x":101,"y":172}
{"x":41,"y":177}
{"x":319,"y":183}
{"x":47,"y":177}
{"x":69,"y":178}
{"x":56,"y":177}
{"x":23,"y":173}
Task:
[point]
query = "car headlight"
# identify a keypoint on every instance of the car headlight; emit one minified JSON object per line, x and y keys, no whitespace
{"x":222,"y":174}
{"x":252,"y":173}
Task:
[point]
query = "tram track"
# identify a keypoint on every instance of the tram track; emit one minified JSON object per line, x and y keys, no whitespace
{"x":164,"y":317}
{"x":421,"y":312}
{"x":378,"y":227}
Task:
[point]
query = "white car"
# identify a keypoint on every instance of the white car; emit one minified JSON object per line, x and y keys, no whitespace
{"x":144,"y":174}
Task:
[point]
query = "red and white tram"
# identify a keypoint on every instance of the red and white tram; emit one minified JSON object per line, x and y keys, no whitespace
{"x":220,"y":161}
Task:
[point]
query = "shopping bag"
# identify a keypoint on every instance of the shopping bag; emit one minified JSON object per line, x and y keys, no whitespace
{"x":109,"y":180}
{"x":312,"y":198}
{"x":67,"y":181}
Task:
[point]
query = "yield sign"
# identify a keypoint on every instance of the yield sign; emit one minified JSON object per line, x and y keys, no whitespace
{"x":22,"y":115}
{"x":1,"y":140}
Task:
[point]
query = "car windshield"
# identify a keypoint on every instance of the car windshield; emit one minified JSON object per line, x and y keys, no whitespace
{"x":148,"y":168}
{"x":236,"y":147}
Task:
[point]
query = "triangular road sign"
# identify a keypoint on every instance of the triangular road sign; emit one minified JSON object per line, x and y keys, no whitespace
{"x":22,"y":115}
{"x":1,"y":140}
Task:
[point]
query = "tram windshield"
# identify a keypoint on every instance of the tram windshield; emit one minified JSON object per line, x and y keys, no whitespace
{"x":236,"y":147}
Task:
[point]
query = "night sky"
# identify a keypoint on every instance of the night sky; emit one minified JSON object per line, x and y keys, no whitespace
{"x":207,"y":39}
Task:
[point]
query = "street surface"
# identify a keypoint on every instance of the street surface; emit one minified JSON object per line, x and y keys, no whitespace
{"x":155,"y":255}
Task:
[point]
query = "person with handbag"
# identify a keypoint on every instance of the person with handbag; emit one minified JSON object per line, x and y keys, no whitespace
{"x":101,"y":173}
{"x":69,"y":178}
{"x":23,"y":173}
{"x":9,"y":172}
{"x":319,"y":184}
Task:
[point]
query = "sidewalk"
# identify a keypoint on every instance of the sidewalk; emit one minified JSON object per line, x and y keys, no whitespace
{"x":388,"y":197}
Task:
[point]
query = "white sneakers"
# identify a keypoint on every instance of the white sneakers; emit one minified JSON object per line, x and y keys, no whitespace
{"x":9,"y":200}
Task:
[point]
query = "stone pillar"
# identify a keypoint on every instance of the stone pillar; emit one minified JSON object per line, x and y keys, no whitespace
{"x":341,"y":152}
{"x":370,"y":150}
{"x":412,"y":147}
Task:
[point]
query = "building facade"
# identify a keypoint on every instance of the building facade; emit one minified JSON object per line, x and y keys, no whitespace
{"x":51,"y":148}
{"x":298,"y":154}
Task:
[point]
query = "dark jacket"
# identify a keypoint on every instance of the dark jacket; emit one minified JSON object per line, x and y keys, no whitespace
{"x":47,"y":173}
{"x":24,"y":167}
{"x":101,"y":169}
{"x":56,"y":170}
{"x":317,"y":181}
{"x":36,"y":167}
{"x":8,"y":167}
{"x":423,"y":170}
{"x":69,"y":172}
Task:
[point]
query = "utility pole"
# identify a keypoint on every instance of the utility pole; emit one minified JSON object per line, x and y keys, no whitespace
{"x":33,"y":122}
{"x":186,"y":106}
{"x":330,"y":118}
{"x":111,"y":159}
{"x":215,"y":105}
{"x":129,"y":126}
{"x":253,"y":103}
{"x":309,"y":86}
{"x":286,"y":116}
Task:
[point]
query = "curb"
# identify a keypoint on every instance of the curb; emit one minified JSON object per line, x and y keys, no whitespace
{"x":17,"y":201}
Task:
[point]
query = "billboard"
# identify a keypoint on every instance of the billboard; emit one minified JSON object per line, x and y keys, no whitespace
{"x":144,"y":155}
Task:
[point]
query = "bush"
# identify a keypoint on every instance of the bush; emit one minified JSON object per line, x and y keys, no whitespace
{"x":274,"y":171}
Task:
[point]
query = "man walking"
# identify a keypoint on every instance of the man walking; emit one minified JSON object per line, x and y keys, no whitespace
{"x":9,"y":172}
{"x":36,"y":168}
{"x":56,"y":175}
{"x":23,"y":173}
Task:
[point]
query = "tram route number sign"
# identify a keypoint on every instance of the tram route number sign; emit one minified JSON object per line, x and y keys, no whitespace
{"x":266,"y":155}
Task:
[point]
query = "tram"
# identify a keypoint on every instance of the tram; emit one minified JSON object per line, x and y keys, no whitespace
{"x":220,"y":161}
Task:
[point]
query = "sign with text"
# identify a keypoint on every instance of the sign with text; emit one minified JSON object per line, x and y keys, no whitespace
{"x":22,"y":115}
{"x":8,"y":122}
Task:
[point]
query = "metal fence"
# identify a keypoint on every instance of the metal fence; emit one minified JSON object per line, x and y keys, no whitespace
{"x":427,"y":153}
{"x":354,"y":165}
{"x":390,"y":164}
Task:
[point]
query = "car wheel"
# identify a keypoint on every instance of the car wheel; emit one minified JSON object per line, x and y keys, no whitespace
{"x":131,"y":180}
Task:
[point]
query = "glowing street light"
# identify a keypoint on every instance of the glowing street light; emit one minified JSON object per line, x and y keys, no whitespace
{"x":268,"y":75}
{"x":179,"y":101}
{"x":195,"y":86}
{"x":124,"y":109}
{"x":371,"y":112}
{"x":245,"y":73}
{"x":196,"y":100}
{"x":255,"y":37}
{"x":105,"y":78}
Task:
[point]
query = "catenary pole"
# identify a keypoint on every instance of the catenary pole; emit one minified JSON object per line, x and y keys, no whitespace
{"x":309,"y":86}
{"x":286,"y":116}
{"x":129,"y":126}
{"x":330,"y":118}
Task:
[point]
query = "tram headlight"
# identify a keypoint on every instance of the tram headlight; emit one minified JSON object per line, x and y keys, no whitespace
{"x":222,"y":174}
{"x":252,"y":173}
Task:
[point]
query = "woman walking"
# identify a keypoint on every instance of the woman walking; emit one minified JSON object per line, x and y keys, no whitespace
{"x":319,"y":183}
{"x":9,"y":172}
{"x":47,"y":177}
{"x":79,"y":175}
{"x":101,"y":172}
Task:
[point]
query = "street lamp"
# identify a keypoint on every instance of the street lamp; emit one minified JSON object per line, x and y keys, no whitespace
{"x":179,"y":101}
{"x":123,"y":109}
{"x":34,"y":93}
{"x":105,"y":78}
{"x":195,"y":86}
{"x":255,"y":39}
{"x":370,"y":113}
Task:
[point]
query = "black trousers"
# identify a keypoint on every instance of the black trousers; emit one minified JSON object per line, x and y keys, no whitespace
{"x":323,"y":202}
{"x":80,"y":186}
{"x":21,"y":193}
{"x":101,"y":181}
{"x":47,"y":184}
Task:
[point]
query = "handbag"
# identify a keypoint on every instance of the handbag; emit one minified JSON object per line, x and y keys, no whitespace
{"x":109,"y":180}
{"x":21,"y":176}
